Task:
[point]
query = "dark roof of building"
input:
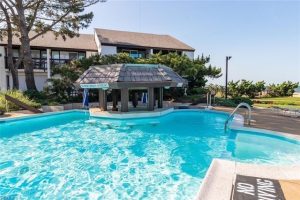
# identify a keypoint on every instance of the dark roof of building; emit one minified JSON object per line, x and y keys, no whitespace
{"x":82,"y":42}
{"x":132,"y":75}
{"x":125,"y":38}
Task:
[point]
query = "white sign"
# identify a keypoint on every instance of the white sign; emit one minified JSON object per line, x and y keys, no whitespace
{"x":98,"y":85}
{"x":179,"y":84}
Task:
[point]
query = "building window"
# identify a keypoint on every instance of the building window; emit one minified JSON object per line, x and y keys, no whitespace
{"x":55,"y":54}
{"x":134,"y":53}
{"x":39,"y":57}
{"x":81,"y":55}
{"x":67,"y":55}
{"x":44,"y":54}
{"x":64,"y":57}
{"x":73,"y":55}
{"x":35,"y":53}
{"x":16,"y":53}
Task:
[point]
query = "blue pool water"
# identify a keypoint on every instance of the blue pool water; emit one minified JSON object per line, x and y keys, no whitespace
{"x":70,"y":155}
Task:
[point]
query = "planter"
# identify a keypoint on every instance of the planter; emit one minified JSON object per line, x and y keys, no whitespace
{"x":52,"y":108}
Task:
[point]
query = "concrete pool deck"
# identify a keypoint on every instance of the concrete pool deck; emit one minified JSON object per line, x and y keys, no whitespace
{"x":220,"y":177}
{"x":267,"y":119}
{"x":15,"y":114}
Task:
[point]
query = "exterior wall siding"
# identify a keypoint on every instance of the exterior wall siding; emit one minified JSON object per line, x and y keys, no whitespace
{"x":189,"y":54}
{"x":108,"y":50}
{"x":2,"y":69}
{"x":90,"y":53}
{"x":97,"y":42}
{"x":39,"y":77}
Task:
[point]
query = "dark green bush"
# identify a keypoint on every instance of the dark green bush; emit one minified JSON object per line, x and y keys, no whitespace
{"x":233,"y":102}
{"x":38,"y":96}
{"x":238,"y":100}
{"x":2,"y":110}
{"x":197,"y":91}
{"x":287,"y":88}
{"x":225,"y":102}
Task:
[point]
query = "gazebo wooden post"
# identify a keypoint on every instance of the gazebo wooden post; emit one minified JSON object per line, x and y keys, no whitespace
{"x":150,"y":98}
{"x":102,"y":100}
{"x":160,"y":97}
{"x":154,"y":96}
{"x":114,"y":100}
{"x":124,"y":99}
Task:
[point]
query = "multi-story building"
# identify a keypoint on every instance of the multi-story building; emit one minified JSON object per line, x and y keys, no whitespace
{"x":48,"y":51}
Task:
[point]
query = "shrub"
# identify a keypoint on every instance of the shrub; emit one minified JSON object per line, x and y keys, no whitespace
{"x":225,"y":102}
{"x":197,"y":91}
{"x":233,"y":102}
{"x":173,"y":93}
{"x":245,"y":88}
{"x":286,"y":88}
{"x":238,"y":100}
{"x":18,"y":95}
{"x":2,"y":110}
{"x":193,"y":99}
{"x":40,"y":97}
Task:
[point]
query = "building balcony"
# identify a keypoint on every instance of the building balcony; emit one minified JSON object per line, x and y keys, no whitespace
{"x":40,"y":63}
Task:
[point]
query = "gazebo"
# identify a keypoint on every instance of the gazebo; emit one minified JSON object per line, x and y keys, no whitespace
{"x":125,"y":77}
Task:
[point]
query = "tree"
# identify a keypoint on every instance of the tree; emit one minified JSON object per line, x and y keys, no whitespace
{"x":63,"y":18}
{"x":63,"y":87}
{"x":233,"y":88}
{"x":195,"y":71}
{"x":7,"y":30}
{"x":218,"y":89}
{"x":197,"y":74}
{"x":287,"y":88}
{"x":245,"y":88}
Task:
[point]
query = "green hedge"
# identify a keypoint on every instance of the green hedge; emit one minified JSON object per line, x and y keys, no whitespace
{"x":18,"y":95}
{"x":233,"y":102}
{"x":238,"y":100}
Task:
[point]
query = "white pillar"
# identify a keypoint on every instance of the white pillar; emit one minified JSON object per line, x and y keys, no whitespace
{"x":2,"y":69}
{"x":48,"y":63}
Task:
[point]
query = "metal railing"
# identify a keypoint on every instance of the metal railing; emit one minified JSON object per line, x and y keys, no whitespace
{"x":40,"y":63}
{"x":235,"y":110}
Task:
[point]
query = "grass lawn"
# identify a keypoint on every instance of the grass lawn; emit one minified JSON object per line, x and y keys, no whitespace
{"x":282,"y":102}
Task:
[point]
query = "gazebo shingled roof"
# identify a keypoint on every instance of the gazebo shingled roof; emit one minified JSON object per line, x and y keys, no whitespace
{"x":131,"y":75}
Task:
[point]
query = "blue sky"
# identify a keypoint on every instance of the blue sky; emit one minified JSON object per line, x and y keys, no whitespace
{"x":263,"y":37}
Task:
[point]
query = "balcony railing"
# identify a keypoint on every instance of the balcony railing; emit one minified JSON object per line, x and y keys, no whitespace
{"x":40,"y":63}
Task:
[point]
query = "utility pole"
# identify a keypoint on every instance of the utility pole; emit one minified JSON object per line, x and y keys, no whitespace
{"x":226,"y":76}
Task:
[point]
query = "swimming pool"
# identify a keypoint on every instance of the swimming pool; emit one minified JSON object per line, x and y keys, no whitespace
{"x":70,"y":155}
